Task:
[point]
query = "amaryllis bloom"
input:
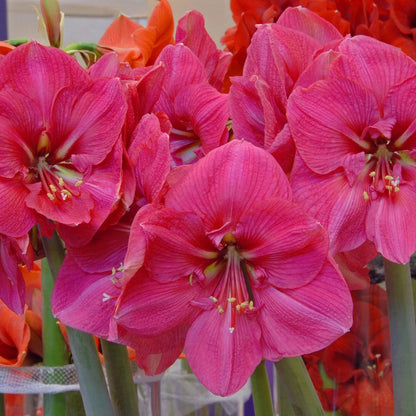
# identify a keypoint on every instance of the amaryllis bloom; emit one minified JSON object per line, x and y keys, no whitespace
{"x":192,"y":33}
{"x":234,"y":272}
{"x":197,"y":111}
{"x":355,"y":134}
{"x":90,"y":278}
{"x":60,"y":132}
{"x":277,"y":59}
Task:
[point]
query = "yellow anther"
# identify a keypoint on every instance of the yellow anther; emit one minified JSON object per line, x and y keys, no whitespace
{"x":79,"y":183}
{"x":220,"y":309}
{"x":366,"y":196}
{"x":50,"y":196}
{"x":231,"y":300}
{"x":372,"y":174}
{"x":121,"y":268}
{"x":396,"y":189}
{"x":251,"y":305}
{"x":61,"y":181}
{"x":238,"y":307}
{"x":388,"y":178}
{"x":52,"y":187}
{"x":389,"y":187}
{"x":113,"y":280}
{"x":244,"y":304}
{"x":113,"y":271}
{"x":214,"y":299}
{"x":190,"y":278}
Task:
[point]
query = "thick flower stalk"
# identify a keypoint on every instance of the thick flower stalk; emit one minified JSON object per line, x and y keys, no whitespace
{"x":234,"y":271}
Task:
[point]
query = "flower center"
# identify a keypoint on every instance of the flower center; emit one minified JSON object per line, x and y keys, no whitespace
{"x":60,"y":181}
{"x":383,"y":168}
{"x":233,"y":293}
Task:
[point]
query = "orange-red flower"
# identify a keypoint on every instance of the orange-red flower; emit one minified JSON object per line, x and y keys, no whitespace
{"x":138,"y":45}
{"x":14,"y":337}
{"x":360,"y":361}
{"x":5,"y":48}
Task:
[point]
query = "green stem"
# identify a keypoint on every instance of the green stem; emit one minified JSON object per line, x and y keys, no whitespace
{"x":262,"y":397}
{"x":55,"y":351}
{"x":297,"y":384}
{"x":90,"y":374}
{"x":2,"y":405}
{"x":120,"y":379}
{"x":84,"y":351}
{"x":402,"y":336}
{"x":285,"y":408}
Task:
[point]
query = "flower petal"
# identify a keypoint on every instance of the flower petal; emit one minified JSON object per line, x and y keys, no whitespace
{"x":279,"y":237}
{"x":229,"y":358}
{"x":219,"y":188}
{"x":390,"y":224}
{"x":325,"y":116}
{"x":306,"y":319}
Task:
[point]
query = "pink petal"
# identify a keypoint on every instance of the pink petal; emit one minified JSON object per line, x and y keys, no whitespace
{"x":105,"y":251}
{"x":306,"y":319}
{"x":325,"y":116}
{"x":179,"y":239}
{"x":338,"y":206}
{"x":156,"y":354}
{"x":219,"y":189}
{"x":204,"y":110}
{"x":150,"y":156}
{"x":281,"y":239}
{"x":310,"y":23}
{"x":182,"y":68}
{"x":149,"y":308}
{"x":191,"y":32}
{"x":390,"y":224}
{"x":256,"y":113}
{"x":11,"y":279}
{"x":400,"y":106}
{"x":73,"y":211}
{"x":21,"y":126}
{"x":107,"y":66}
{"x":86,"y":124}
{"x":40,"y":72}
{"x":223,"y":360}
{"x":16,"y":219}
{"x":84,"y":301}
{"x":372,"y":63}
{"x":103,"y":187}
{"x":264,"y":60}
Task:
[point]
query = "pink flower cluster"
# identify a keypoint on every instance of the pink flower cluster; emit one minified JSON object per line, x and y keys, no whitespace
{"x":185,"y":231}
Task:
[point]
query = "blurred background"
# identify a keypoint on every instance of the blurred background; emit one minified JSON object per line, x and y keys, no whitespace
{"x":87,"y":20}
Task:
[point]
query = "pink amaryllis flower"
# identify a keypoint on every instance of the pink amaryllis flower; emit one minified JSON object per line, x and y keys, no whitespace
{"x":355,"y":134}
{"x":59,"y":131}
{"x":234,"y":271}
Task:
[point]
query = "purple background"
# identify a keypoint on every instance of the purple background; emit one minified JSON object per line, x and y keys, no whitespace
{"x":3,"y":20}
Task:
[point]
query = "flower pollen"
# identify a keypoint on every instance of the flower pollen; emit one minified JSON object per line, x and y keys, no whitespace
{"x":233,"y":291}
